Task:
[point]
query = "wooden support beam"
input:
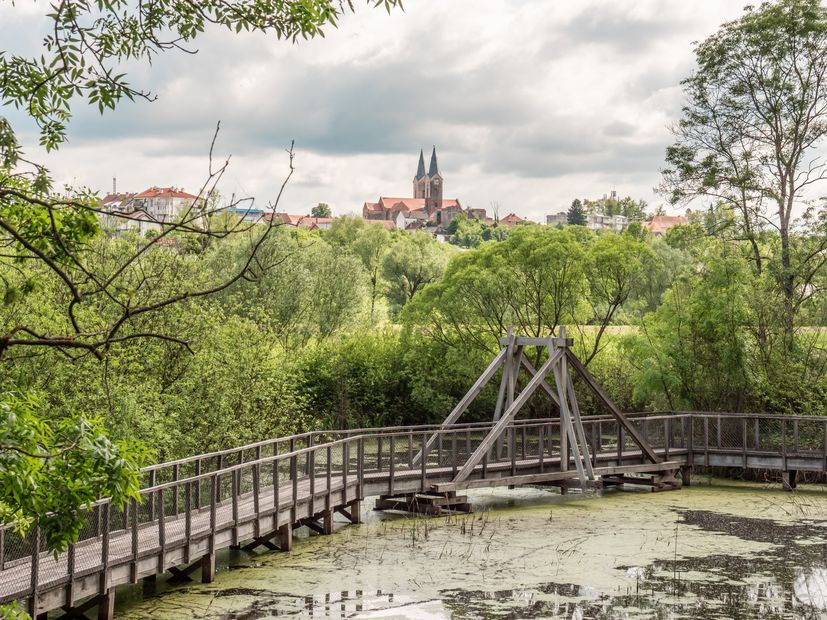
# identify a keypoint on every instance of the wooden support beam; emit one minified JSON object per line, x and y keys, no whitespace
{"x":507,"y":418}
{"x":286,"y":537}
{"x":442,"y":487}
{"x":613,"y":409}
{"x":466,"y":400}
{"x":208,"y":568}
{"x":566,"y":428}
{"x":578,"y":425}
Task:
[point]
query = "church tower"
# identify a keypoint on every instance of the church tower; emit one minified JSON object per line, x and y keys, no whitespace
{"x":433,"y":200}
{"x":420,"y":182}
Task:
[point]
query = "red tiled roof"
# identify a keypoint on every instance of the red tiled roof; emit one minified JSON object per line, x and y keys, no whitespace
{"x":387,"y":202}
{"x":301,"y":220}
{"x":659,"y":224}
{"x":388,"y":224}
{"x":512,"y":219}
{"x":372,"y":206}
{"x":164,"y":192}
{"x":113,"y":198}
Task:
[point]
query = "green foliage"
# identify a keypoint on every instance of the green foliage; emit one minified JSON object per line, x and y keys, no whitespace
{"x":411,"y":263}
{"x":321,"y":210}
{"x":49,"y":469}
{"x":470,"y":233}
{"x":576,"y":215}
{"x":692,"y":352}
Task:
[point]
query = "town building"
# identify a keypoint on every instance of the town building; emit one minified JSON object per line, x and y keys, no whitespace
{"x":147,"y":210}
{"x":659,"y":224}
{"x":594,"y":221}
{"x":428,"y":209}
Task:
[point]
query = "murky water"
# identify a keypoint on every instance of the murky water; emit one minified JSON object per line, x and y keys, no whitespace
{"x":711,"y":551}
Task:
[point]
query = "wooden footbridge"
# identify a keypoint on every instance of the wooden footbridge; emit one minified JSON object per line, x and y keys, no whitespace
{"x":256,"y":495}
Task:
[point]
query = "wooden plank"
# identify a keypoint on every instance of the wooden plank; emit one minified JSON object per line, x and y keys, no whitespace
{"x":443,"y":487}
{"x":561,"y":378}
{"x":578,"y":422}
{"x":613,"y":409}
{"x":507,"y":418}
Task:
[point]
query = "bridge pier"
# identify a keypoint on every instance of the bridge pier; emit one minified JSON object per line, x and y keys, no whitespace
{"x":206,"y":564}
{"x":686,"y":475}
{"x":105,"y":604}
{"x":789,"y":479}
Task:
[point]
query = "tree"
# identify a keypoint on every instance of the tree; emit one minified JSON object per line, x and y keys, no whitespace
{"x":754,"y":116}
{"x":321,"y":210}
{"x":532,"y":281}
{"x":576,"y":215}
{"x":614,"y":267}
{"x":411,"y":263}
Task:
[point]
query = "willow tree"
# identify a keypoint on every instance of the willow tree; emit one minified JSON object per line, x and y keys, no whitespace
{"x":754,"y":117}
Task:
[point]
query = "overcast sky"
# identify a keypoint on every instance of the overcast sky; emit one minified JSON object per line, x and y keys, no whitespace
{"x":530,"y":103}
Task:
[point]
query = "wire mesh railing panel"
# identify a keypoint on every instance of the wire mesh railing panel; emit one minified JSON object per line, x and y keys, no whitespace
{"x":770,"y":435}
{"x":808,"y":436}
{"x":731,"y":432}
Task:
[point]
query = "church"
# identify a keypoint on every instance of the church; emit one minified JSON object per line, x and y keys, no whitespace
{"x":427,"y":209}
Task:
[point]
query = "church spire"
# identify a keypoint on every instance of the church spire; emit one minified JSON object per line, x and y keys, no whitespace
{"x":420,"y":171}
{"x":434,"y":167}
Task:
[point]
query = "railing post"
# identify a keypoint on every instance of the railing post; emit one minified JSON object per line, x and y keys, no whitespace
{"x":104,"y":580}
{"x":294,"y":475}
{"x":454,"y":452}
{"x":379,"y":453}
{"x":187,"y":520}
{"x":391,"y":463}
{"x":162,"y":532}
{"x":214,"y":489}
{"x":133,"y":569}
{"x":423,"y":460}
{"x":410,"y":449}
{"x":310,"y":463}
{"x":667,"y":432}
{"x":345,"y":465}
{"x":784,"y":442}
{"x":256,"y":498}
{"x":2,"y":547}
{"x":34,"y":575}
{"x":236,"y":491}
{"x":360,"y":464}
{"x":329,"y":477}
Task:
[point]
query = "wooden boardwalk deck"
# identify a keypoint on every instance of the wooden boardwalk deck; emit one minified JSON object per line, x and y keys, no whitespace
{"x":261,"y":492}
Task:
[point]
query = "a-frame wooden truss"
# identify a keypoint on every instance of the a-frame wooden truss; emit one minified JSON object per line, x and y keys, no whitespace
{"x":555,"y":371}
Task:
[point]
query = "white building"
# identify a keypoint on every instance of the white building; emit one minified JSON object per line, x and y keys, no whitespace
{"x":616,"y":223}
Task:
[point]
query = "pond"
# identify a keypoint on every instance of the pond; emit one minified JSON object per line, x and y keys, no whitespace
{"x":716,"y":550}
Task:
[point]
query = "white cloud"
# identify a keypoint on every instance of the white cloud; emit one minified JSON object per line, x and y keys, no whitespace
{"x":530,"y":103}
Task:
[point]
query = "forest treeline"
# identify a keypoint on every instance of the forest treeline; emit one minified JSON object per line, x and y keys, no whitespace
{"x":358,"y":326}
